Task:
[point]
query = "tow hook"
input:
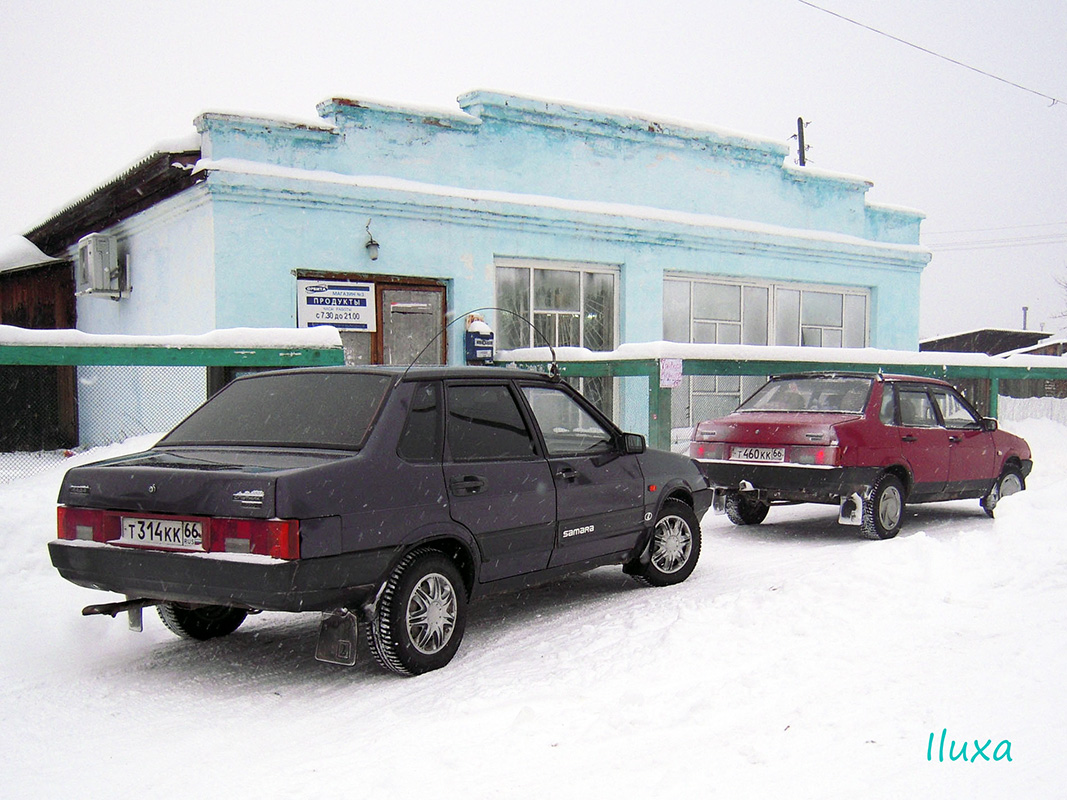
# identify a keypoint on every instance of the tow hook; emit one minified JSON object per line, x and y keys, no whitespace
{"x":133,"y":609}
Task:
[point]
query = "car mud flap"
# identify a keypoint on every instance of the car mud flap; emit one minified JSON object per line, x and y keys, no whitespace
{"x":337,"y":637}
{"x":718,"y":501}
{"x":851,"y":512}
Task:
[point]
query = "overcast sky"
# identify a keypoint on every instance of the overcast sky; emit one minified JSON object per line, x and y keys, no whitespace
{"x":88,"y":88}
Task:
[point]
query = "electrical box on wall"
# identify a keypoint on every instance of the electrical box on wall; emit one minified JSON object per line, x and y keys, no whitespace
{"x":99,"y":271}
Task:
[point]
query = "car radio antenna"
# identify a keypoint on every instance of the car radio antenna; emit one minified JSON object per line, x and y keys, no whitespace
{"x":553,"y":369}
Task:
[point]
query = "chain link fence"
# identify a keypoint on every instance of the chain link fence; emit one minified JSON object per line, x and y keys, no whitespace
{"x":51,"y":413}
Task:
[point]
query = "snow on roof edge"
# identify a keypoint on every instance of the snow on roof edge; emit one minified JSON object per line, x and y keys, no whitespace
{"x":623,"y":210}
{"x":18,"y":252}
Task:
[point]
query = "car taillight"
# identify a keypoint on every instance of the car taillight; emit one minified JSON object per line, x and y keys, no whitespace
{"x":87,"y":524}
{"x":707,"y":450}
{"x":819,"y":455}
{"x":277,"y":538}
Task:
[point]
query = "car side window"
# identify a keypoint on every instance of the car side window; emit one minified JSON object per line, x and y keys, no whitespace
{"x":954,"y":411}
{"x":916,"y":408}
{"x":484,"y":423}
{"x":421,"y":438}
{"x":887,"y":414}
{"x":568,"y":429}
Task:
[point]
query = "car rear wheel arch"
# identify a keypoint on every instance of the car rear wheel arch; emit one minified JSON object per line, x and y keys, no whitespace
{"x":902,"y":474}
{"x":456,"y":549}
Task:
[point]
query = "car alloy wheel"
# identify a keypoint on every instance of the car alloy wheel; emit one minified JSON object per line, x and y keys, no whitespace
{"x":431,"y":614}
{"x":672,"y":544}
{"x":421,"y":614}
{"x":673,"y":549}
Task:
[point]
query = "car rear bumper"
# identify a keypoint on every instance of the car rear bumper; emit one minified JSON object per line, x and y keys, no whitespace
{"x":796,"y":482}
{"x":253,"y":582}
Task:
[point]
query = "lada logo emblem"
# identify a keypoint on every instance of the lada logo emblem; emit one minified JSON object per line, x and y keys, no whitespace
{"x":152,"y":489}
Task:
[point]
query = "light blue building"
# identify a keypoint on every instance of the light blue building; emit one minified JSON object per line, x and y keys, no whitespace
{"x":600,"y":227}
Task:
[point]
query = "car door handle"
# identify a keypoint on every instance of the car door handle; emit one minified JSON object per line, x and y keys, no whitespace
{"x":909,"y":438}
{"x":955,"y":439}
{"x":467,"y":485}
{"x":567,"y":474}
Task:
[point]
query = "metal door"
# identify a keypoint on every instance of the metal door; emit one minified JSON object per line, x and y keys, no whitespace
{"x":412,"y":320}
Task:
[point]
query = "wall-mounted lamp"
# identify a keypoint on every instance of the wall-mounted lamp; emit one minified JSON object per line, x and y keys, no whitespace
{"x":371,"y":245}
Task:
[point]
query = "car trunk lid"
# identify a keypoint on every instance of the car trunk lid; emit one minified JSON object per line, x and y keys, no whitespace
{"x":223,"y":482}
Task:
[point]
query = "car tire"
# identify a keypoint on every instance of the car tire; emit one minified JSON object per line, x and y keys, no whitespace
{"x":1009,"y":482}
{"x":200,"y":622}
{"x":883,"y":508}
{"x":745,"y":510}
{"x":674,"y":548}
{"x":421,"y":615}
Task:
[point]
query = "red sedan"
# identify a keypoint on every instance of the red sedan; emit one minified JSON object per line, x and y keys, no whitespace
{"x":867,"y":443}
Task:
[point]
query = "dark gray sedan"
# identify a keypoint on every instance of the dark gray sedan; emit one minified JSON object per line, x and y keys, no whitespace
{"x":384,"y":498}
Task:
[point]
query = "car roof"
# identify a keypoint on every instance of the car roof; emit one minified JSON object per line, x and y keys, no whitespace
{"x":892,"y":377}
{"x":419,"y":372}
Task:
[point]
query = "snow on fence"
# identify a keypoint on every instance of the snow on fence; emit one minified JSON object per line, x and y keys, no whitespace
{"x":66,"y":389}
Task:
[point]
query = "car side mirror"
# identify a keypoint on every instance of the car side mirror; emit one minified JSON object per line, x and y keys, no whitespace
{"x":633,"y":444}
{"x":989,"y":424}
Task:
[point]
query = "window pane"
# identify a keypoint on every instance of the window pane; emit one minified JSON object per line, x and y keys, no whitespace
{"x":811,"y":337}
{"x":556,"y":290}
{"x":704,"y":332}
{"x":887,"y":413}
{"x":484,"y":423}
{"x":717,"y":301}
{"x":831,"y":338}
{"x":419,"y":441}
{"x":821,"y":308}
{"x":676,"y":311}
{"x":953,"y":412}
{"x":513,"y":293}
{"x":599,"y":311}
{"x":567,"y":427}
{"x":546,"y":330}
{"x":787,"y":317}
{"x":274,"y":410}
{"x":855,"y":321}
{"x":755,"y":316}
{"x":916,"y":410}
{"x":729,"y":334}
{"x":568,"y":330}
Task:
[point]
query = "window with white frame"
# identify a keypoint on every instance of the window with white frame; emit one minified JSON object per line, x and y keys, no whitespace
{"x":570,"y":304}
{"x":717,"y":311}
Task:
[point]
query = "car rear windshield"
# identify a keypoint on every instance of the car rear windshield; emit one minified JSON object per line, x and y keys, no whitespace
{"x":296,"y":409}
{"x":842,"y":395}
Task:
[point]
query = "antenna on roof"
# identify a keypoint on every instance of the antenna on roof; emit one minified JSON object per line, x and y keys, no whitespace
{"x":553,"y":369}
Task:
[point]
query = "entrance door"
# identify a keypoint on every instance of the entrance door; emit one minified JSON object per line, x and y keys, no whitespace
{"x":411,"y":325}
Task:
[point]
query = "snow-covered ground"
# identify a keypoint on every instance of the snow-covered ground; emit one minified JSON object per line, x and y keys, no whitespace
{"x":798,"y":661}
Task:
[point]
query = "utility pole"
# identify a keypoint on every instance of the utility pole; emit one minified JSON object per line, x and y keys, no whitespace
{"x":800,"y":140}
{"x":1025,"y":309}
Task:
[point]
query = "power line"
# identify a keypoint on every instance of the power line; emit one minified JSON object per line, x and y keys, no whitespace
{"x":991,"y":230}
{"x":995,"y":244}
{"x":1054,"y":100}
